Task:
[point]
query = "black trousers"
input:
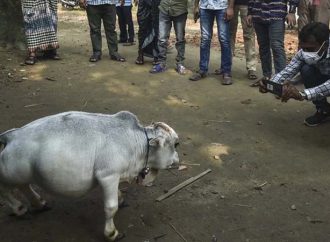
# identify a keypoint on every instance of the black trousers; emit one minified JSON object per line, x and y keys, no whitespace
{"x":125,"y":22}
{"x":106,"y":13}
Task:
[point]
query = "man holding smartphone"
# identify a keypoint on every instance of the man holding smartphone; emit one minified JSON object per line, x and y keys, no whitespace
{"x":313,"y":62}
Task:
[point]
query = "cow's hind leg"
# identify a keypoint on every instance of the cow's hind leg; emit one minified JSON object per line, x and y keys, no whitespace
{"x":17,"y":206}
{"x":37,"y":202}
{"x":110,"y":185}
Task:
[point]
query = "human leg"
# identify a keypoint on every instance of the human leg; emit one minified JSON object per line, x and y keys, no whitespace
{"x":122,"y":24}
{"x":312,"y":77}
{"x":165,"y":25}
{"x":129,"y":23}
{"x":276,"y":35}
{"x":249,"y":43}
{"x":206,"y":24}
{"x":179,"y":23}
{"x":264,"y":48}
{"x":109,"y":23}
{"x":94,"y":20}
{"x":322,"y":12}
{"x":233,"y":28}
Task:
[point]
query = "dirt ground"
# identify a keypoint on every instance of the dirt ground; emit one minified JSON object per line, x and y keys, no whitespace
{"x":270,"y":174}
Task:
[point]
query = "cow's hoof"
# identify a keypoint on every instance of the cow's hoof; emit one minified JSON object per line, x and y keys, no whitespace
{"x":116,"y":236}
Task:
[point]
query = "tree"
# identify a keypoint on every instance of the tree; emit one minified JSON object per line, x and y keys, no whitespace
{"x":11,"y":24}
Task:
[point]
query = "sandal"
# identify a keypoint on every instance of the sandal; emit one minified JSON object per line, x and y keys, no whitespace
{"x":252,"y":75}
{"x":51,"y":54}
{"x":117,"y":57}
{"x":30,"y":60}
{"x":95,"y":58}
{"x":218,"y":72}
{"x":139,"y":60}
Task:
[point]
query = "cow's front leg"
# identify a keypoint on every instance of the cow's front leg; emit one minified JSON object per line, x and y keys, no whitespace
{"x":110,"y":185}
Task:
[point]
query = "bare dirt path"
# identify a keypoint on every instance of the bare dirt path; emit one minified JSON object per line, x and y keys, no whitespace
{"x":259,"y":141}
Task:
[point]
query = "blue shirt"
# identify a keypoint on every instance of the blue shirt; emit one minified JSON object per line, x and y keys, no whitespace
{"x":213,"y":4}
{"x":101,"y":2}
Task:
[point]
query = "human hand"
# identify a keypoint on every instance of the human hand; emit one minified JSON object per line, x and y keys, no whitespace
{"x":248,"y":20}
{"x":291,"y":19}
{"x":290,"y":91}
{"x":229,"y":14}
{"x":83,"y":4}
{"x":262,"y":85}
{"x":196,"y":14}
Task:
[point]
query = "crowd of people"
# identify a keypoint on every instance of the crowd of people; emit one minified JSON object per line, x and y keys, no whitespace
{"x":265,"y":19}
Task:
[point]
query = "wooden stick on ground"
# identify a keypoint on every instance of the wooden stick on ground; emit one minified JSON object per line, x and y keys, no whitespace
{"x":182,"y":185}
{"x":176,"y":231}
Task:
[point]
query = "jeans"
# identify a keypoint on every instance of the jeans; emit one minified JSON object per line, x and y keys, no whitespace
{"x":312,"y":77}
{"x":207,"y":17}
{"x":165,"y":25}
{"x":270,"y":38}
{"x":248,"y":36}
{"x":125,"y":23}
{"x":107,"y":13}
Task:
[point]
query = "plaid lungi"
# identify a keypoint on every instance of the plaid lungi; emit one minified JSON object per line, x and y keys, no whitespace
{"x":40,"y":23}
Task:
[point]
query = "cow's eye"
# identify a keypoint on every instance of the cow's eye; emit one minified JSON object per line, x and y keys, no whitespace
{"x":176,"y":145}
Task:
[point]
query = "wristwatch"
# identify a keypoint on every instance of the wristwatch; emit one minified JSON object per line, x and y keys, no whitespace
{"x":303,"y":94}
{"x":292,"y":9}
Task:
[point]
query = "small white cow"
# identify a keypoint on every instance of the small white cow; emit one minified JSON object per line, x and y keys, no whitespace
{"x":70,"y":153}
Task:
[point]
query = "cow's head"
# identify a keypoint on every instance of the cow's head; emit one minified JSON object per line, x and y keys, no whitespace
{"x":163,"y":145}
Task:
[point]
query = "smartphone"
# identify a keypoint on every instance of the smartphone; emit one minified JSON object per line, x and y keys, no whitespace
{"x":275,"y":88}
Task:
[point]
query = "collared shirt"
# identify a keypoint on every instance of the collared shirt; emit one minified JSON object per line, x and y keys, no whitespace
{"x":101,"y":2}
{"x":213,"y":4}
{"x":294,"y":67}
{"x":173,"y":7}
{"x":269,"y":10}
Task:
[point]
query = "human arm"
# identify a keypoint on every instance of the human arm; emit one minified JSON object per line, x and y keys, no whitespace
{"x":230,"y":10}
{"x":196,"y":10}
{"x":249,"y":15}
{"x":83,"y":4}
{"x":291,"y":16}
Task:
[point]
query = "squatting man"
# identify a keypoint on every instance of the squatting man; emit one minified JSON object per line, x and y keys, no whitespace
{"x":313,"y":62}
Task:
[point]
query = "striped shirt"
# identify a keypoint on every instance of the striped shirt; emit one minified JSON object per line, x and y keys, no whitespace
{"x":314,"y":93}
{"x":126,"y":3}
{"x":101,"y":2}
{"x":213,"y":4}
{"x":268,"y":10}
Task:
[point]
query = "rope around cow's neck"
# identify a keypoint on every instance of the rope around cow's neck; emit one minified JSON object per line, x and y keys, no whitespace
{"x":145,"y":170}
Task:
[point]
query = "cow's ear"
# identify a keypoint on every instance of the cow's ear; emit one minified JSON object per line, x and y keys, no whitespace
{"x":159,"y":141}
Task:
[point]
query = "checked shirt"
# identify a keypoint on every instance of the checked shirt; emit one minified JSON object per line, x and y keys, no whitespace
{"x":315,"y":93}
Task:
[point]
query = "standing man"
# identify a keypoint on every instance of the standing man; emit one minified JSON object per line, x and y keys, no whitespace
{"x":98,"y":11}
{"x":125,"y":22}
{"x":268,"y":18}
{"x":222,"y":11}
{"x":171,"y":11}
{"x":241,"y":9}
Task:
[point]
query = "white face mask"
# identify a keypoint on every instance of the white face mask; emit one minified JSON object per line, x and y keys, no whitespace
{"x":311,"y":58}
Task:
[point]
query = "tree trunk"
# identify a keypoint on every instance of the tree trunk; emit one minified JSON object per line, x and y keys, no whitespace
{"x":11,"y":24}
